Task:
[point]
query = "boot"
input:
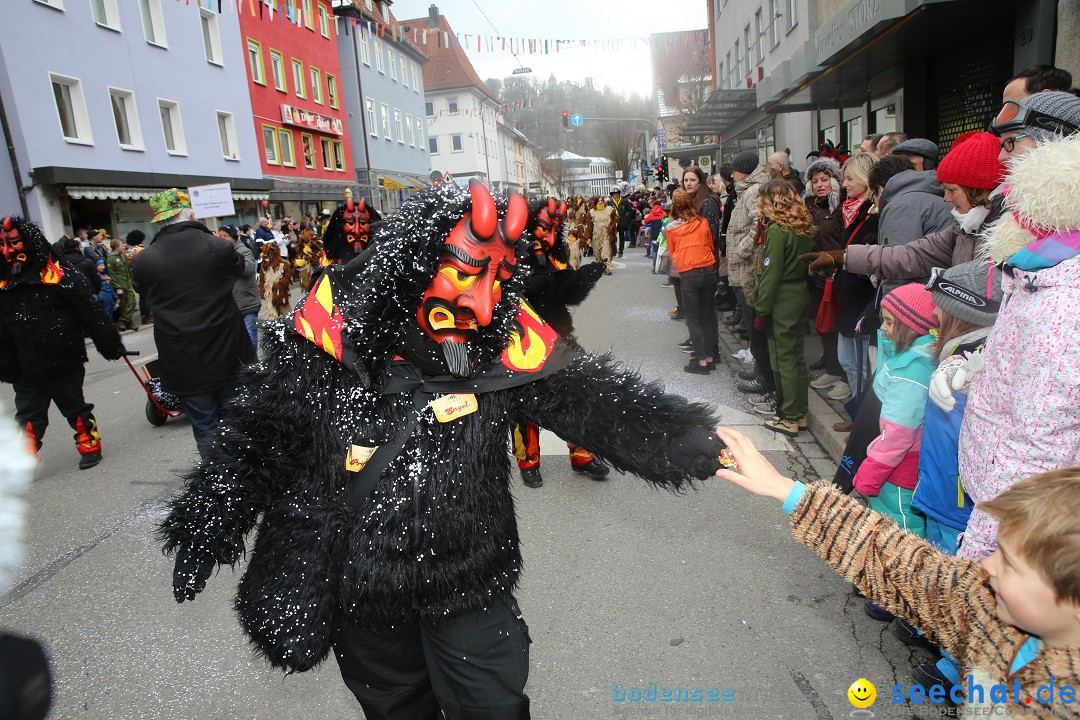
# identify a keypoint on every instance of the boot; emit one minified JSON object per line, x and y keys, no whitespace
{"x":594,"y":469}
{"x":531,"y":477}
{"x":89,"y":460}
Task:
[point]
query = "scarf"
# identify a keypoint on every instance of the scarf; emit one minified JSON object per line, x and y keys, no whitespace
{"x":850,"y":210}
{"x":972,"y":220}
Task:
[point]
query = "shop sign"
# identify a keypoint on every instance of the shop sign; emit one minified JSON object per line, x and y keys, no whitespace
{"x":311,"y":120}
{"x":211,"y":201}
{"x":854,"y":20}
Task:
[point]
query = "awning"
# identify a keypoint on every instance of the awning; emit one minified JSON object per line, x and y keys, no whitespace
{"x":417,"y":184}
{"x":135,"y":194}
{"x":690,"y":151}
{"x":721,"y":109}
{"x":392,"y":183}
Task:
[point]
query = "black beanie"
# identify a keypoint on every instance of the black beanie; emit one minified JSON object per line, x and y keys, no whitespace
{"x":745,"y":162}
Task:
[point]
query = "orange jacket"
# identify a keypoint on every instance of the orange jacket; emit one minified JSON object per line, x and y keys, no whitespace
{"x":690,"y":245}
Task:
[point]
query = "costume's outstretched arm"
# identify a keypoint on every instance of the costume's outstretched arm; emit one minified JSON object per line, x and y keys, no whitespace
{"x":577,"y":284}
{"x":630,"y":423}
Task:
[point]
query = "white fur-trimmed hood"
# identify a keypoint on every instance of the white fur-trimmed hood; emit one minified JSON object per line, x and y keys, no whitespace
{"x":1044,"y":191}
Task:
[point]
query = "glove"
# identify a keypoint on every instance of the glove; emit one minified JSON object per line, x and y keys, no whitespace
{"x":823,"y":263}
{"x":697,"y":451}
{"x":759,"y":322}
{"x":954,"y":375}
{"x":190,"y":574}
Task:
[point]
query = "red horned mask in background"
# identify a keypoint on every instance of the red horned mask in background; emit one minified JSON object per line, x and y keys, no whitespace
{"x":546,"y":228}
{"x":356,"y":223}
{"x":477,"y":258}
{"x":13,"y":248}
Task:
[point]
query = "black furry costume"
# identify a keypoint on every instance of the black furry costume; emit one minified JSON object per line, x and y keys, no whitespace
{"x":46,"y":304}
{"x":437,"y":537}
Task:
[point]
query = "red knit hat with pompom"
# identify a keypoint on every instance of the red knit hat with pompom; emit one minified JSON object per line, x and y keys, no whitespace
{"x":913,"y":305}
{"x":973,"y":163}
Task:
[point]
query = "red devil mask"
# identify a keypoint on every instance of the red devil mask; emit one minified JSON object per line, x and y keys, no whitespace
{"x":549,"y":224}
{"x":356,"y":223}
{"x":12,"y":247}
{"x":477,"y":258}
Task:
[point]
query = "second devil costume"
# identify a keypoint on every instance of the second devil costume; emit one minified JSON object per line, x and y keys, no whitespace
{"x":369,"y":449}
{"x":551,"y":290}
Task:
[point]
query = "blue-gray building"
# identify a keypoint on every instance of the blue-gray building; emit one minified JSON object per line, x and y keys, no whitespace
{"x":383,"y":85}
{"x":108,"y":101}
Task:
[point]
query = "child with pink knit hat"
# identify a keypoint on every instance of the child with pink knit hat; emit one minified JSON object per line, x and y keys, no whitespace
{"x":888,"y":475}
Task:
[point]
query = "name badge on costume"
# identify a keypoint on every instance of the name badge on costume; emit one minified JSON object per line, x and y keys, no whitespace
{"x":453,"y":406}
{"x":358,"y":456}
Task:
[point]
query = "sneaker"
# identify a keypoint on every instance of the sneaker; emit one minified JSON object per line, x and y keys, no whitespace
{"x":840,"y":391}
{"x":907,"y":633}
{"x":594,"y":469}
{"x":748,"y":358}
{"x":607,"y":272}
{"x":928,"y":676}
{"x":752,"y":387}
{"x":746,"y":374}
{"x":678,"y":316}
{"x":818,"y":365}
{"x":694,"y":368}
{"x":825,"y":381}
{"x":531,"y":477}
{"x":667,"y":283}
{"x":686,"y":348}
{"x":877,"y":612}
{"x":844,"y":426}
{"x":89,"y":460}
{"x":686,"y":343}
{"x":766,"y":409}
{"x":766,"y":399}
{"x":783,"y":426}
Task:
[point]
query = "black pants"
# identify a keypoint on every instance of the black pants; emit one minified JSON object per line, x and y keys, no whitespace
{"x":474,"y":667}
{"x":32,"y":398}
{"x":677,"y":284}
{"x":829,"y":354}
{"x":698,"y":293}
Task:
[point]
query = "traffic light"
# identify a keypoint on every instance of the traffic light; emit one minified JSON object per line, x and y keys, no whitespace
{"x":566,"y":119}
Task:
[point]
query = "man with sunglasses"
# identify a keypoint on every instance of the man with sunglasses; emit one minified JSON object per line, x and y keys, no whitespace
{"x":1023,"y":123}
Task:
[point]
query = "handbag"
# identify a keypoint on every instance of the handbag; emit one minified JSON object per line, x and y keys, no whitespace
{"x":825,"y":322}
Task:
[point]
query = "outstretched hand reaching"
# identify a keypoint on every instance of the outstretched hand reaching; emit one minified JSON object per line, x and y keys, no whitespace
{"x":755,"y":473}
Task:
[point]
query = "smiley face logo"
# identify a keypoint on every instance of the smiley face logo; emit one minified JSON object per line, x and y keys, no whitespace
{"x":862,"y":693}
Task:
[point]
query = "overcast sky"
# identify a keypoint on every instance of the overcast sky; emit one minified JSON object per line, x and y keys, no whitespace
{"x":565,"y":20}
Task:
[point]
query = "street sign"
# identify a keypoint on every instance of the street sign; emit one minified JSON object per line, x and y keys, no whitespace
{"x":209,"y":201}
{"x":521,"y":71}
{"x":661,"y":138}
{"x":577,"y":119}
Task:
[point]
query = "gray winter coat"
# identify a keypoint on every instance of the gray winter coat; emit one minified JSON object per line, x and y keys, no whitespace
{"x":911,"y":206}
{"x":913,"y":261}
{"x":246,"y":290}
{"x":742,"y":229}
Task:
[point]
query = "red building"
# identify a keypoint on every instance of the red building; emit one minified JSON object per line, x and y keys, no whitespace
{"x":300,"y":121}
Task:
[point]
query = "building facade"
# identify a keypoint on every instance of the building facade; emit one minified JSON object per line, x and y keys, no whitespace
{"x":298,"y":114}
{"x":150,"y":97}
{"x":385,"y":101}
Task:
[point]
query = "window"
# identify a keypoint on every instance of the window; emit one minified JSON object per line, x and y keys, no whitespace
{"x":255,"y":59}
{"x":171,"y":127}
{"x":307,"y":143}
{"x":409,"y":129}
{"x":379,"y":57}
{"x":429,"y":109}
{"x":792,"y":13}
{"x":227,"y":133}
{"x":455,"y":143}
{"x":316,"y":85}
{"x":758,"y":37}
{"x":298,"y":78}
{"x":106,"y":14}
{"x":126,"y":119}
{"x":451,"y":105}
{"x":285,"y":146}
{"x":290,"y":10}
{"x":392,"y":60}
{"x":774,"y":35}
{"x":397,"y":121}
{"x":277,"y":70}
{"x":415,"y":85}
{"x":419,"y":134}
{"x":738,"y":61}
{"x":324,"y":21}
{"x":309,"y":15}
{"x":731,"y":68}
{"x":386,"y":13}
{"x":270,"y":141}
{"x":747,"y":45}
{"x":385,"y":120}
{"x":404,"y":71}
{"x":211,"y":37}
{"x":71,"y":109}
{"x":152,"y":22}
{"x":327,"y":157}
{"x":339,"y":156}
{"x":372,"y":124}
{"x":331,"y":89}
{"x":364,"y":52}
{"x":433,"y":145}
{"x":58,"y":4}
{"x":720,"y":74}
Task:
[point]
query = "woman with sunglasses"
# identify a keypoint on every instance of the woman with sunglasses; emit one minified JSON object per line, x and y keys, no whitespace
{"x":1024,"y":123}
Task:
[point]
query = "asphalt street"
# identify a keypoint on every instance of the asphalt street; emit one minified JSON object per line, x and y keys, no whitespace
{"x":625,"y":586}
